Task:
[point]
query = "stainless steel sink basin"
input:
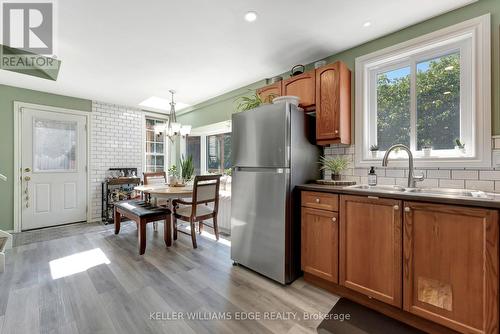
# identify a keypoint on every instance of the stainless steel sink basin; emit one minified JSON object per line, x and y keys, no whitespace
{"x":450,"y":192}
{"x":433,"y":192}
{"x":387,"y":188}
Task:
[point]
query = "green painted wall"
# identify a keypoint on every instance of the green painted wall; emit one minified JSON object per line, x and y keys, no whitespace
{"x":220,"y":108}
{"x":8,"y":95}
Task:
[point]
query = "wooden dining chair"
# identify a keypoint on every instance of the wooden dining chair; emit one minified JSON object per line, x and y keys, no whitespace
{"x":152,"y":178}
{"x":155,"y":178}
{"x":205,"y":191}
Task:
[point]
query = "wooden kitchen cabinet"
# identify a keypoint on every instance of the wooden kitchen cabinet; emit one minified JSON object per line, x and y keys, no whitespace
{"x":319,"y":243}
{"x":371,"y":247}
{"x":303,"y":86}
{"x":450,"y":265}
{"x":268,"y":93}
{"x":333,"y":104}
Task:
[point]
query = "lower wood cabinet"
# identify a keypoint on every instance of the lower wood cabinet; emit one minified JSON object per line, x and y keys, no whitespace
{"x":437,"y":264}
{"x":319,"y":243}
{"x":371,"y":248}
{"x":451,"y":266}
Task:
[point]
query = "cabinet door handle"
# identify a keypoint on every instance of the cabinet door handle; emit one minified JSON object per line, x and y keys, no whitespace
{"x":396,"y":207}
{"x":334,"y":219}
{"x":407,"y":209}
{"x":336,"y":131}
{"x":317,"y":200}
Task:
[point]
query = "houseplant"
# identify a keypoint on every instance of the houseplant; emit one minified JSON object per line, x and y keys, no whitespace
{"x":248,"y":102}
{"x":427,"y":148}
{"x":334,"y":165}
{"x":173,"y":175}
{"x":374,"y":151}
{"x":187,"y":168}
{"x":459,"y":146}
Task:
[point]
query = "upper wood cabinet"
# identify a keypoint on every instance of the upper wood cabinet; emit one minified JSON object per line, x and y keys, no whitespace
{"x":303,"y":86}
{"x":333,"y":104}
{"x":451,"y":266}
{"x":371,"y":247}
{"x":326,"y":90}
{"x":268,"y":93}
{"x":319,"y":243}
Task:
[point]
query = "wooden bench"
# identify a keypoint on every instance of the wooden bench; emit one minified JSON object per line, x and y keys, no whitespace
{"x":142,"y":213}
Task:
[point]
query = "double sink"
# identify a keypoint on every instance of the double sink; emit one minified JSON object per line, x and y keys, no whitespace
{"x":439,"y":192}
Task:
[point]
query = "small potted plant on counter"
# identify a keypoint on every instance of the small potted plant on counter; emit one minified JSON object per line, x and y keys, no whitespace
{"x":334,"y":165}
{"x":427,"y":148}
{"x":374,"y":151}
{"x":459,"y":146}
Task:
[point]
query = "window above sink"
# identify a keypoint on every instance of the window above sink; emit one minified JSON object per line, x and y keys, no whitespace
{"x":432,"y":94}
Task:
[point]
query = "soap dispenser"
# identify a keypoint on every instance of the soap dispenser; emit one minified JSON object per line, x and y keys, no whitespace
{"x":372,"y":177}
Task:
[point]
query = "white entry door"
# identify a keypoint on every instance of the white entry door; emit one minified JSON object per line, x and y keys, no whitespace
{"x":54,"y":176}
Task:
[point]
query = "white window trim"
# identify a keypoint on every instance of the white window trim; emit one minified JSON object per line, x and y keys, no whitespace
{"x":166,"y":142}
{"x":480,"y":30}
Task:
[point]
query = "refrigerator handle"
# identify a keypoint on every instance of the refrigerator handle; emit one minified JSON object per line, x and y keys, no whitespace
{"x":261,"y":170}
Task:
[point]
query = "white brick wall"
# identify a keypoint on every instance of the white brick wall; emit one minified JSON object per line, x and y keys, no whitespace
{"x":116,"y":141}
{"x":486,"y":179}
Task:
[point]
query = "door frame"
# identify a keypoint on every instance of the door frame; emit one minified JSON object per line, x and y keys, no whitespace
{"x":18,"y":140}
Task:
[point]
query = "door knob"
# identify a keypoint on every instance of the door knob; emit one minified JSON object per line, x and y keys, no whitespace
{"x":317,"y":200}
{"x":334,"y":219}
{"x":27,"y":178}
{"x":27,"y":170}
{"x":407,"y":209}
{"x":396,"y":207}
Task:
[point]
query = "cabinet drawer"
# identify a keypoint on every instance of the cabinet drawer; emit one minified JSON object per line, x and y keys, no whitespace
{"x":321,"y":201}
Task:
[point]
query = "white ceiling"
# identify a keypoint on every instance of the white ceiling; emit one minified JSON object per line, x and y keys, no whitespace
{"x":127,"y":51}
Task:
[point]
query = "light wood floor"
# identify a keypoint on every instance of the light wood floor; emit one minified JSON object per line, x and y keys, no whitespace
{"x":118,"y":297}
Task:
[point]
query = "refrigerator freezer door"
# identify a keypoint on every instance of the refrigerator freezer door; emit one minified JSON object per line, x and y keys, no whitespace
{"x":261,"y":137}
{"x":258,"y":219}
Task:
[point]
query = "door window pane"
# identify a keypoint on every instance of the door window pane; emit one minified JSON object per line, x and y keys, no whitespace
{"x":438,"y":102}
{"x":193,"y":149}
{"x":54,"y":145}
{"x":393,"y":108}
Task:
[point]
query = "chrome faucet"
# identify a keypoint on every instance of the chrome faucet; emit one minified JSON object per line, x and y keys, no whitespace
{"x":412,"y":178}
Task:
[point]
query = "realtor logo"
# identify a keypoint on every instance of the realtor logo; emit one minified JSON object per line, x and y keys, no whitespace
{"x":28,"y":26}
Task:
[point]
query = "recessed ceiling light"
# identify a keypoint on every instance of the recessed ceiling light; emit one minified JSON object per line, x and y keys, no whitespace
{"x":250,"y":16}
{"x":367,"y":24}
{"x":160,"y":104}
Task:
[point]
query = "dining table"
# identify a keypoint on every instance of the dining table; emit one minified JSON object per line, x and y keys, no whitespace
{"x":166,"y":192}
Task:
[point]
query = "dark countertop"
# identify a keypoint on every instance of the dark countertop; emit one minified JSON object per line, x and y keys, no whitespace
{"x":493,"y":202}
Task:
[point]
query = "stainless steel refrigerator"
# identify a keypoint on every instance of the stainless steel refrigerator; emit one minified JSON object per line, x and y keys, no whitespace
{"x":271,"y":154}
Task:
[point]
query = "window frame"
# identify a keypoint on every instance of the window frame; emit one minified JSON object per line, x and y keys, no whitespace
{"x":203,"y":132}
{"x":472,"y":39}
{"x":166,"y":142}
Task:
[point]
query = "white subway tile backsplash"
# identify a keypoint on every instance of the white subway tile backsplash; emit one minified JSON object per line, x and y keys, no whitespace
{"x":438,"y":174}
{"x":465,"y":174}
{"x":480,"y":185}
{"x":486,"y":179}
{"x":445,"y":183}
{"x":489,"y":175}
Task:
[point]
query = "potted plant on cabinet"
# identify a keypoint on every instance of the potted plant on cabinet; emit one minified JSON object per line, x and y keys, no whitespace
{"x":427,"y":148}
{"x":374,"y":151}
{"x":459,"y":146}
{"x":334,"y":165}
